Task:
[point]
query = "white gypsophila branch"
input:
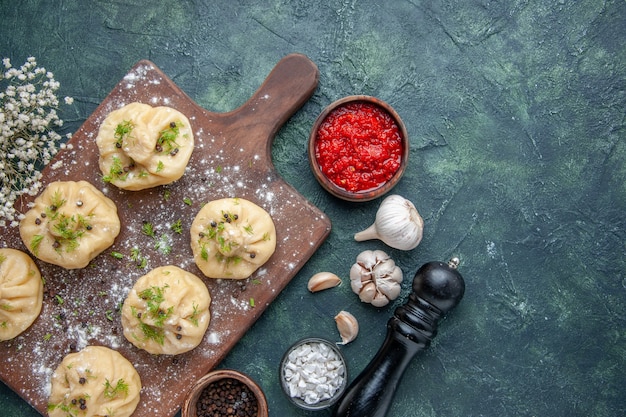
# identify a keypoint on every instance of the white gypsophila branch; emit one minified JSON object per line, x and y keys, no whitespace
{"x":28,"y":140}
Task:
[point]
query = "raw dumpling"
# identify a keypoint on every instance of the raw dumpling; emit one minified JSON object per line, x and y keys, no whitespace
{"x":21,"y":292}
{"x":70,"y":224}
{"x":95,"y":382}
{"x":143,"y":146}
{"x":167,"y":311}
{"x":232,"y":238}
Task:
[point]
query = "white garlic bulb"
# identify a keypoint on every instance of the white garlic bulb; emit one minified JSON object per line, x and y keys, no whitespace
{"x":376,"y":278}
{"x":398,"y":224}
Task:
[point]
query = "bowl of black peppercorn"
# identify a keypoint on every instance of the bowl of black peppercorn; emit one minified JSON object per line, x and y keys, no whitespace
{"x":225,"y":392}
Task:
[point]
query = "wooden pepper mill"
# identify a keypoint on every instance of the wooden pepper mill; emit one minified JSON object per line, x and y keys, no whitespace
{"x":437,"y":289}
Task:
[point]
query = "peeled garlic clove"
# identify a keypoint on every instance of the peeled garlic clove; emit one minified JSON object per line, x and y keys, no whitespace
{"x":398,"y":224}
{"x":323,"y":281}
{"x":348,"y":327}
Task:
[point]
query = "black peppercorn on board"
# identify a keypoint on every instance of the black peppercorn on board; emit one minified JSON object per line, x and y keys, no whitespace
{"x":231,"y":158}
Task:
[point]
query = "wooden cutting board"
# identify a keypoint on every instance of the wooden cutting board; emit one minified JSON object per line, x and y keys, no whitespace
{"x":231,"y":158}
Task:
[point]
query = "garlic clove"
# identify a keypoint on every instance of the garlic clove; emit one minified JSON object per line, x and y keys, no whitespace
{"x":323,"y":281}
{"x":357,"y":277}
{"x":398,"y":224}
{"x":389,"y":288}
{"x":396,"y":275}
{"x":356,"y":285}
{"x":384,"y":269}
{"x":366,"y":259}
{"x":370,"y":258}
{"x":368,"y":292}
{"x":348,"y":327}
{"x":380,"y":300}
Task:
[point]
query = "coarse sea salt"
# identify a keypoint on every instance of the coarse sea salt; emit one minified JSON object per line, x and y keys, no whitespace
{"x":313,"y":372}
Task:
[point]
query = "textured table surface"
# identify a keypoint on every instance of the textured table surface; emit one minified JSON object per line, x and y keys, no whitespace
{"x":516,"y":117}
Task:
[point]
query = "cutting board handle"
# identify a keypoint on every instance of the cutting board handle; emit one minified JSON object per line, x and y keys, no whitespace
{"x":287,"y":87}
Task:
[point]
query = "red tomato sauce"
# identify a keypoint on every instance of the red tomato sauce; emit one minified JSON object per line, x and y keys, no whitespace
{"x":359,"y":147}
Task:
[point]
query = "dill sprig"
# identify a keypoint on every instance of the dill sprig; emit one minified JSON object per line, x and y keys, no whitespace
{"x":113,"y":391}
{"x":154,"y":296}
{"x":167,"y":138}
{"x":122,"y":132}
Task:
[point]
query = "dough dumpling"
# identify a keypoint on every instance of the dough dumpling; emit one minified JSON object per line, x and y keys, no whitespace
{"x":21,"y":292}
{"x":95,"y":382}
{"x":167,"y":311}
{"x":143,"y":146}
{"x":232,"y":238}
{"x":70,"y":224}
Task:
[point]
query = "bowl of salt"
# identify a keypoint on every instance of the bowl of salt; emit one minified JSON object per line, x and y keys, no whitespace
{"x":313,"y":374}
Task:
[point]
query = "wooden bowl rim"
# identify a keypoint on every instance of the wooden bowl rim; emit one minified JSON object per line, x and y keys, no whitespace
{"x":331,"y":187}
{"x":189,"y":406}
{"x":322,"y":405}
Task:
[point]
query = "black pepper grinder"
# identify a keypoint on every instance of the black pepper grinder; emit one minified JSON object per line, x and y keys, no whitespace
{"x":437,"y":288}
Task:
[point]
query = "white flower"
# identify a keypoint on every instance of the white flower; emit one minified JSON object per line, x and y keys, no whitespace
{"x":28,"y":140}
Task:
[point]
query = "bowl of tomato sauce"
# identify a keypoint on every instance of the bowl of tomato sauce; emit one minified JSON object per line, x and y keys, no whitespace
{"x":358,"y":148}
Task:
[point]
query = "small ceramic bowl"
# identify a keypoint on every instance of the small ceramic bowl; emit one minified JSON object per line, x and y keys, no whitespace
{"x":288,"y":364}
{"x":327,"y":118}
{"x":189,"y":408}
